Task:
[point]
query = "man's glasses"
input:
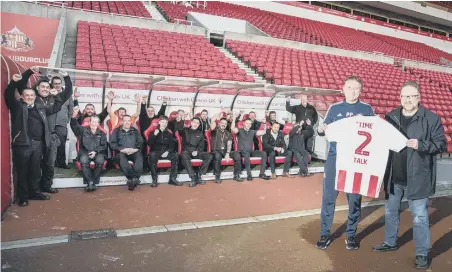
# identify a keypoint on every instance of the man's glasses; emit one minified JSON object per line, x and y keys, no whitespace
{"x":405,"y":97}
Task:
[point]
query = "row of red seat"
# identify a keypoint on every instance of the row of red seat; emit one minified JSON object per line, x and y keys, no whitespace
{"x":314,"y":32}
{"x":150,"y":54}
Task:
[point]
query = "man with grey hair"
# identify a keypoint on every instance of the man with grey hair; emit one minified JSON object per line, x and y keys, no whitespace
{"x":412,"y":172}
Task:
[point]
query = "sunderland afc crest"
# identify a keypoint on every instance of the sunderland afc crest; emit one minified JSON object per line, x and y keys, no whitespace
{"x":16,"y":40}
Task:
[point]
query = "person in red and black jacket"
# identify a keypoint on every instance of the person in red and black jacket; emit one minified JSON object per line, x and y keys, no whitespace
{"x":163,"y":145}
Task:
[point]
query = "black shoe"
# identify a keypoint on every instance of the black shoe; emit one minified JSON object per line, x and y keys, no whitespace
{"x":130,"y":185}
{"x":40,"y":196}
{"x":305,"y":174}
{"x":422,"y":262}
{"x":238,"y":178}
{"x":324,"y":242}
{"x":154,"y":183}
{"x":200,"y":180}
{"x":264,"y":177}
{"x":23,"y":202}
{"x":173,"y":181}
{"x":383,"y":247}
{"x":50,"y":190}
{"x":249,"y":178}
{"x":218,"y":180}
{"x":90,"y":187}
{"x":64,"y":166}
{"x":192,"y":183}
{"x":136,"y":181}
{"x":351,"y":243}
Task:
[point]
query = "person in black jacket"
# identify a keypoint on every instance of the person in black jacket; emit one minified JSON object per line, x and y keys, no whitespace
{"x":271,"y":118}
{"x":274,"y":145}
{"x":89,"y":111}
{"x":92,"y":148}
{"x":305,"y":112}
{"x":45,"y":98}
{"x":147,"y":114}
{"x":221,"y":145}
{"x":163,"y":145}
{"x":30,"y":137}
{"x":127,"y":142}
{"x":412,"y":172}
{"x":296,"y":145}
{"x":193,"y":144}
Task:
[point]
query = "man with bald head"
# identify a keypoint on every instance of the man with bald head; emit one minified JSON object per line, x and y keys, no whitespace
{"x":412,"y":172}
{"x":307,"y":114}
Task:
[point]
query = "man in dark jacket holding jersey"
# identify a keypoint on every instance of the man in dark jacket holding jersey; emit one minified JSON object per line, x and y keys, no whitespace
{"x":30,"y":136}
{"x":412,"y":172}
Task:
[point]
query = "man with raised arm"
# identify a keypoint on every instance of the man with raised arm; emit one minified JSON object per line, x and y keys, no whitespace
{"x":90,"y":110}
{"x":147,"y":114}
{"x":116,"y":117}
{"x":93,"y":148}
{"x":30,"y":135}
{"x":221,"y":145}
{"x":193,"y":145}
{"x":274,"y":145}
{"x":163,"y":146}
{"x":304,"y":112}
{"x":245,"y":141}
{"x":46,"y":99}
{"x":351,"y":106}
{"x":127,"y":142}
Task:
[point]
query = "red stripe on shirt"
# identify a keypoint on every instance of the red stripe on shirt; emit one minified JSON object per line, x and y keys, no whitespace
{"x":373,"y":184}
{"x":357,"y":183}
{"x":341,"y":177}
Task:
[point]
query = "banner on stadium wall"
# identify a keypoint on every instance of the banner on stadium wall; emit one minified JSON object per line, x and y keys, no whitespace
{"x":127,"y":97}
{"x":28,"y":40}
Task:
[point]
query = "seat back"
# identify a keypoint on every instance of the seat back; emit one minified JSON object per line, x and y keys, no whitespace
{"x":208,"y":135}
{"x":179,"y":142}
{"x":172,"y":115}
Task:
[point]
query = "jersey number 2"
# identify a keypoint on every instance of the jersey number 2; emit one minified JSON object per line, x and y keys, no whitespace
{"x":360,"y":150}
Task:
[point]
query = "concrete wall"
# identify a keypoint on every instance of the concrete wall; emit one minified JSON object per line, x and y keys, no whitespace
{"x":427,"y":66}
{"x":73,"y":16}
{"x":416,"y":7}
{"x":218,"y":24}
{"x":252,"y":30}
{"x":58,"y":46}
{"x":333,"y":19}
{"x":306,"y":46}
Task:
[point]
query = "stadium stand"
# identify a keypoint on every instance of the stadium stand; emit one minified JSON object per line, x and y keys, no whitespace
{"x":314,"y":32}
{"x":285,"y":66}
{"x":115,"y":48}
{"x":132,"y":8}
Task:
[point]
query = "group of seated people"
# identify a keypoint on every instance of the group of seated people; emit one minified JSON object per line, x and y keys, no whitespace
{"x":135,"y":147}
{"x":40,"y":115}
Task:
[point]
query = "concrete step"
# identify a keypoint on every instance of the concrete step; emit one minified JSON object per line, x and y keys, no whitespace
{"x":243,"y":66}
{"x":155,"y":13}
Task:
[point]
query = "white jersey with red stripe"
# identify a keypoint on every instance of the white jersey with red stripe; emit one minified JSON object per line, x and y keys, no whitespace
{"x":363,"y":145}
